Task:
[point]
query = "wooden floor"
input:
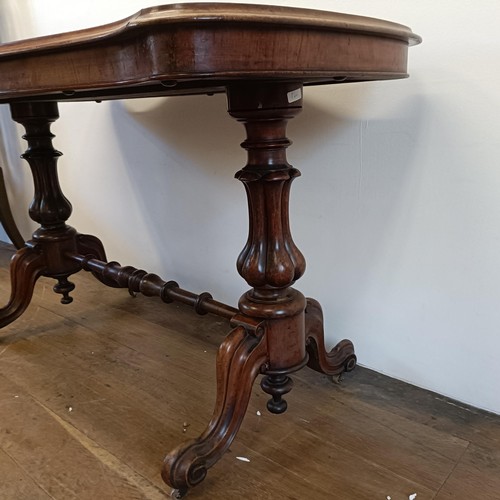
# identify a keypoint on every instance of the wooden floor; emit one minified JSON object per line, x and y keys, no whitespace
{"x":93,"y":394}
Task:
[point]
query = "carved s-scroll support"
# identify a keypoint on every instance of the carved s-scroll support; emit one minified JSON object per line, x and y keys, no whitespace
{"x":239,"y":360}
{"x":340,"y":359}
{"x":27,"y":265}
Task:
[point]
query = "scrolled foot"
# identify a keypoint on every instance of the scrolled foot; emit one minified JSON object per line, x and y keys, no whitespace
{"x":26,"y":267}
{"x":239,"y":361}
{"x":340,"y":359}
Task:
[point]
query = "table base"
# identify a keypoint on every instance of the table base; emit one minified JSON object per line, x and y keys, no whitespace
{"x":275,"y":329}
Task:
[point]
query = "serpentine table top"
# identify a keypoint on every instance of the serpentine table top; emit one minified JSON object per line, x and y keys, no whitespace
{"x":200,"y":48}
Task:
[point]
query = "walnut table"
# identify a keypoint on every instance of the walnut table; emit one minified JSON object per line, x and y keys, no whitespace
{"x":261,"y":57}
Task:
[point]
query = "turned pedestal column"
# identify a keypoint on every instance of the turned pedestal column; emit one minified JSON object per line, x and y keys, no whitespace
{"x":270,"y":261}
{"x":277,"y":331}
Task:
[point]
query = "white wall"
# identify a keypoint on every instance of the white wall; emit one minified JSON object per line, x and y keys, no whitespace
{"x":397,"y":211}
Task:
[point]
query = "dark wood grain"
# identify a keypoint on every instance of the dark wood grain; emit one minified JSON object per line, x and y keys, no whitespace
{"x":196,"y":48}
{"x":340,"y":359}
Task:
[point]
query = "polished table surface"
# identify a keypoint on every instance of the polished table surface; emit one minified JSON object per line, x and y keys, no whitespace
{"x":261,"y":57}
{"x":198,"y":48}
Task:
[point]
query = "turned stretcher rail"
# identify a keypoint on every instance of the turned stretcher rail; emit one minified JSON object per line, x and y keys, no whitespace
{"x":151,"y":285}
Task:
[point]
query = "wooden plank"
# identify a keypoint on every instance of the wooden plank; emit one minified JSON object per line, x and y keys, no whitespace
{"x":59,"y":459}
{"x":17,"y":483}
{"x":477,"y":475}
{"x":395,"y":443}
{"x":98,"y":390}
{"x":338,"y":470}
{"x":425,"y":407}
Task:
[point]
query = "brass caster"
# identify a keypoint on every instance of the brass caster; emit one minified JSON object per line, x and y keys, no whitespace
{"x":350,"y":363}
{"x":179,"y":493}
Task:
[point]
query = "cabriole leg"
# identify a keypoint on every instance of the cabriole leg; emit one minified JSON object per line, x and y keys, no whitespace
{"x":340,"y":359}
{"x":239,"y":361}
{"x":58,"y":242}
{"x":26,"y":267}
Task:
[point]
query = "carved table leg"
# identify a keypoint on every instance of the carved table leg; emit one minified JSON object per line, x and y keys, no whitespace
{"x":271,"y":325}
{"x":50,"y":208}
{"x":239,"y":361}
{"x":26,"y":267}
{"x":340,"y":359}
{"x":54,"y":244}
{"x":270,"y":263}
